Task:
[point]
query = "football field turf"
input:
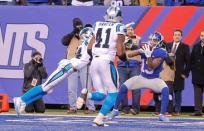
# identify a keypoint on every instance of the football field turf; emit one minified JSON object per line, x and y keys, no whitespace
{"x":54,"y":120}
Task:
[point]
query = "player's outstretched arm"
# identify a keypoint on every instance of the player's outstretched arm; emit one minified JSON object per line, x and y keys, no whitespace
{"x":135,"y":53}
{"x":154,"y":63}
{"x":90,"y":45}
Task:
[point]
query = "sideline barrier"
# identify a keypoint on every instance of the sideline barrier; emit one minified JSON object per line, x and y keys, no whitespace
{"x":4,"y":103}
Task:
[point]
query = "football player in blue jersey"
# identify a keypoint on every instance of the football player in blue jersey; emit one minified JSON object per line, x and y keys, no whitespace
{"x":152,"y":64}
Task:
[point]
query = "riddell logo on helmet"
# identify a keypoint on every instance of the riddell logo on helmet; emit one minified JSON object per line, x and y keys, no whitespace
{"x":17,"y":42}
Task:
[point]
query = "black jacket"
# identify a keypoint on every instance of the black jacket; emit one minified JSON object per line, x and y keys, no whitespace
{"x":182,"y":64}
{"x":68,"y":37}
{"x":33,"y":70}
{"x":197,"y":64}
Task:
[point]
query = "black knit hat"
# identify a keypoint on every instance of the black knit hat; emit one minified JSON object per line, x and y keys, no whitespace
{"x":35,"y":53}
{"x":76,"y":22}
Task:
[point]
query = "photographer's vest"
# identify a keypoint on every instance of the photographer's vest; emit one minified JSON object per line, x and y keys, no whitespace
{"x":167,"y":74}
{"x":71,"y":49}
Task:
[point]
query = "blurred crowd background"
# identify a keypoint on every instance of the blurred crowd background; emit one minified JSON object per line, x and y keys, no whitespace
{"x":104,"y":2}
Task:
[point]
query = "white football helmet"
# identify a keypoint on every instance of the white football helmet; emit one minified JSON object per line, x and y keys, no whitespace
{"x":113,"y":14}
{"x":86,"y":33}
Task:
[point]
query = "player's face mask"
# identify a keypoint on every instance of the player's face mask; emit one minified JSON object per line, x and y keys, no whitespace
{"x":86,"y":33}
{"x":155,"y":39}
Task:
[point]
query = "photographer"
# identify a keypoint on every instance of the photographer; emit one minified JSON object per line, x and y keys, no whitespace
{"x":34,"y":72}
{"x":128,"y":69}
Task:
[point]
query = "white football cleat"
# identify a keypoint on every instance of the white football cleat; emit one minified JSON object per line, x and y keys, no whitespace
{"x":99,"y":122}
{"x":19,"y":105}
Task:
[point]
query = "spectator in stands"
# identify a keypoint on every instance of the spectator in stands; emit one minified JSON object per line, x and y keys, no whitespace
{"x":117,"y":2}
{"x":180,"y":52}
{"x":43,"y":2}
{"x":82,"y":2}
{"x":173,"y":2}
{"x":148,"y":2}
{"x":7,"y":2}
{"x":21,"y":2}
{"x":56,"y":2}
{"x":128,"y":69}
{"x":194,"y":2}
{"x":167,"y":75}
{"x":197,"y":68}
{"x":37,"y":2}
{"x":34,"y":72}
{"x":72,"y":41}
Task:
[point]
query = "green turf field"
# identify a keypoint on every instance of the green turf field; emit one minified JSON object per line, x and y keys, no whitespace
{"x":81,"y":113}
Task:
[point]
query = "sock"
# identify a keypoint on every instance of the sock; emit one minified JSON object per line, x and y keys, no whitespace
{"x":108,"y":103}
{"x":96,"y":96}
{"x":35,"y":98}
{"x":164,"y":100}
{"x":99,"y":117}
{"x":121,"y":94}
{"x":33,"y":94}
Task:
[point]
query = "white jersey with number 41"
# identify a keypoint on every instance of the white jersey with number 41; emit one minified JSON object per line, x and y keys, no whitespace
{"x":106,"y":39}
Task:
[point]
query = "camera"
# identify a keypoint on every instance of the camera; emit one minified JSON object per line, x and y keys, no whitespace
{"x":128,"y":44}
{"x":40,"y":60}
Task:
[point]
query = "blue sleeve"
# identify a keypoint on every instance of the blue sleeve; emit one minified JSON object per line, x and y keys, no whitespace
{"x":120,"y":29}
{"x":160,"y":53}
{"x":143,"y":56}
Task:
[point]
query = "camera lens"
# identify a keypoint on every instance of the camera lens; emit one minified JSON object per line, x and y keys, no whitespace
{"x":40,"y":59}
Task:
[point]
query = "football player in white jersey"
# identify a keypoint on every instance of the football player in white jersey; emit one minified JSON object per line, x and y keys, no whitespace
{"x":65,"y":68}
{"x":152,"y":65}
{"x":107,"y":42}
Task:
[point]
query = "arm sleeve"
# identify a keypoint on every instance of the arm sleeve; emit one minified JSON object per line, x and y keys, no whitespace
{"x":120,"y":29}
{"x":67,"y":38}
{"x":187,"y":61}
{"x":43,"y":72}
{"x":192,"y":60}
{"x":28,"y":70}
{"x":169,"y":61}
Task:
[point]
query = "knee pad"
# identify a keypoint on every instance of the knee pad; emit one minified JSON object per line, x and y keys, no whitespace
{"x":63,"y":63}
{"x":108,"y":103}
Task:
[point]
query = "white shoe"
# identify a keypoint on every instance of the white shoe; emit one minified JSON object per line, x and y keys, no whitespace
{"x":19,"y":105}
{"x":163,"y":118}
{"x":79,"y":103}
{"x":98,"y":122}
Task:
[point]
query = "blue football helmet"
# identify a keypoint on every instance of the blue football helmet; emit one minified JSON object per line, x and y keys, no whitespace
{"x":113,"y":14}
{"x":155,"y":38}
